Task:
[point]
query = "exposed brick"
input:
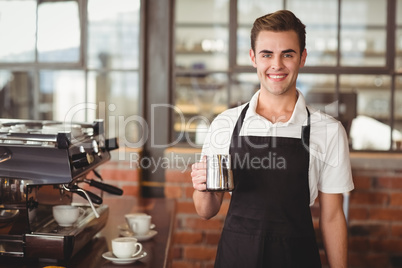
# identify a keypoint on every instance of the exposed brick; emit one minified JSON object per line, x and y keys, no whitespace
{"x":86,"y":187}
{"x":369,"y":198}
{"x":224,"y":208}
{"x":396,"y":230}
{"x":396,"y":199}
{"x":209,"y":265}
{"x":175,"y":175}
{"x":369,"y":229}
{"x":179,"y":224}
{"x":199,"y":253}
{"x":186,"y":207}
{"x":358,"y":213}
{"x":315,"y":211}
{"x":316,"y":223}
{"x":386,"y":214}
{"x":212,"y":238}
{"x":173,"y":191}
{"x":227,"y":196}
{"x":110,"y":164}
{"x":189,"y":191}
{"x":200,"y":224}
{"x":177,"y":252}
{"x":362,"y":182}
{"x":185,"y":264}
{"x":389,"y":182}
{"x":359,"y":244}
{"x":323,"y":258}
{"x":130,"y":190}
{"x":390,"y":245}
{"x":368,"y":260}
{"x":181,"y":237}
{"x":121,"y":174}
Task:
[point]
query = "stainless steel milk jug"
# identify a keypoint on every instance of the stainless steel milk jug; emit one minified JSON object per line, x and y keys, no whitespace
{"x":219,"y":173}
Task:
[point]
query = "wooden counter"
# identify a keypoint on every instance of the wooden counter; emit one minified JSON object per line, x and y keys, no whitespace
{"x":157,"y":248}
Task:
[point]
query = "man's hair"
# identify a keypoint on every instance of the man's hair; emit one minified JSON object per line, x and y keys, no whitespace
{"x":279,"y":21}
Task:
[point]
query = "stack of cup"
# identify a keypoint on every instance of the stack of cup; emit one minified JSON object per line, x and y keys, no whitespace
{"x":139,"y":223}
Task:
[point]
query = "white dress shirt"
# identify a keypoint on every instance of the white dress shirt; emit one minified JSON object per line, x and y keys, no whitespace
{"x":329,"y":170}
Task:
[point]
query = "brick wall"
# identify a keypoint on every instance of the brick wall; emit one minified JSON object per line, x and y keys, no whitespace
{"x":375,"y":218}
{"x":375,"y":225}
{"x":375,"y":208}
{"x":195,"y":239}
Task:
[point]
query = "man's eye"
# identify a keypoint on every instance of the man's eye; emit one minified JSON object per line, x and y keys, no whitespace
{"x":267,"y":56}
{"x":288,"y":56}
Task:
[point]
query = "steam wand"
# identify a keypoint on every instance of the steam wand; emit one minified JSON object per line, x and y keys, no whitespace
{"x":79,"y":190}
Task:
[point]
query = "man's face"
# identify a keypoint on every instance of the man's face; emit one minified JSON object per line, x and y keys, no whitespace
{"x":277,"y":60}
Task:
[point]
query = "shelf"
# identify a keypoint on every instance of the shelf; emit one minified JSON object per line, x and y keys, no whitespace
{"x":365,"y":54}
{"x":198,"y":52}
{"x":191,"y":109}
{"x":200,"y":25}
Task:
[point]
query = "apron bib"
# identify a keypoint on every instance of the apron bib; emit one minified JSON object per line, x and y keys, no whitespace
{"x":269,"y":222}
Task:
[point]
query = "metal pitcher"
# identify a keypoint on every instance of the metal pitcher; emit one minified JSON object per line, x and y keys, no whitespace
{"x":219,"y":173}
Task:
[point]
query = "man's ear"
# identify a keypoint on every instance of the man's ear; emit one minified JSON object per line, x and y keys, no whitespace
{"x":252,"y":57}
{"x":303,"y":58}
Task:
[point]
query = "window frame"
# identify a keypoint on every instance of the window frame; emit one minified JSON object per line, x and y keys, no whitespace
{"x":36,"y":66}
{"x":389,"y":69}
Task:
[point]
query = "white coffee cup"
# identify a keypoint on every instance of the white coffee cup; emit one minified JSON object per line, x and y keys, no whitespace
{"x":126,"y":247}
{"x":139,"y":223}
{"x":131,"y":216}
{"x":67,"y":215}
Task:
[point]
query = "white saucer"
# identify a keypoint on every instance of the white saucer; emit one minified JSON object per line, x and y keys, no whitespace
{"x":144,"y":237}
{"x":124,"y":227}
{"x":109,"y":256}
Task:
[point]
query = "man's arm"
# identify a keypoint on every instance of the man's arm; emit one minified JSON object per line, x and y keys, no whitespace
{"x":333,"y":229}
{"x":207,"y":204}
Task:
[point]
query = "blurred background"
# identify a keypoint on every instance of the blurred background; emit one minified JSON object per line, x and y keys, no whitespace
{"x":87,"y":59}
{"x":158,"y":72}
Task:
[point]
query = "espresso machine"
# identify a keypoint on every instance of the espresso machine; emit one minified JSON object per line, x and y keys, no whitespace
{"x":43,"y":164}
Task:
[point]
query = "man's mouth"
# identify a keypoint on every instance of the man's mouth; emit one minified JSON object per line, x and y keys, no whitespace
{"x":276,"y":76}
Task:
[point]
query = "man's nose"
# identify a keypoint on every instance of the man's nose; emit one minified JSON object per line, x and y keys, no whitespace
{"x":276,"y":63}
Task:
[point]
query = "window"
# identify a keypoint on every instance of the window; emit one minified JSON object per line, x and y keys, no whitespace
{"x":201,"y":50}
{"x":72,"y":60}
{"x":351,"y":70}
{"x":398,"y":39}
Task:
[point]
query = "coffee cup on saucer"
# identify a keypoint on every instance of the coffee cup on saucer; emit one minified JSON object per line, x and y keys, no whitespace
{"x":139,"y":223}
{"x":66,"y":215}
{"x":126,"y":247}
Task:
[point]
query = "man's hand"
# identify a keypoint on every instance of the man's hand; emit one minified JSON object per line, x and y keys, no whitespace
{"x":199,"y":175}
{"x":207,"y":204}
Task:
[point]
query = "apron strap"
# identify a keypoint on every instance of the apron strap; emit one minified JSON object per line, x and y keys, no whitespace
{"x":239,"y":123}
{"x":305,"y":129}
{"x":306,"y":132}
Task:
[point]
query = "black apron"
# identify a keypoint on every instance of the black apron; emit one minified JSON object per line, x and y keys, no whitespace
{"x":269,"y":222}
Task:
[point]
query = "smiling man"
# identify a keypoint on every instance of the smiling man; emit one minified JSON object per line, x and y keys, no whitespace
{"x":269,"y":223}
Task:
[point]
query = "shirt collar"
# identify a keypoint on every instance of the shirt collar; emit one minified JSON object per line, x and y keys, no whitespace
{"x":299,"y":115}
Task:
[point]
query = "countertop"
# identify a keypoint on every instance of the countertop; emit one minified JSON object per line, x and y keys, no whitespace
{"x":157,"y":248}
